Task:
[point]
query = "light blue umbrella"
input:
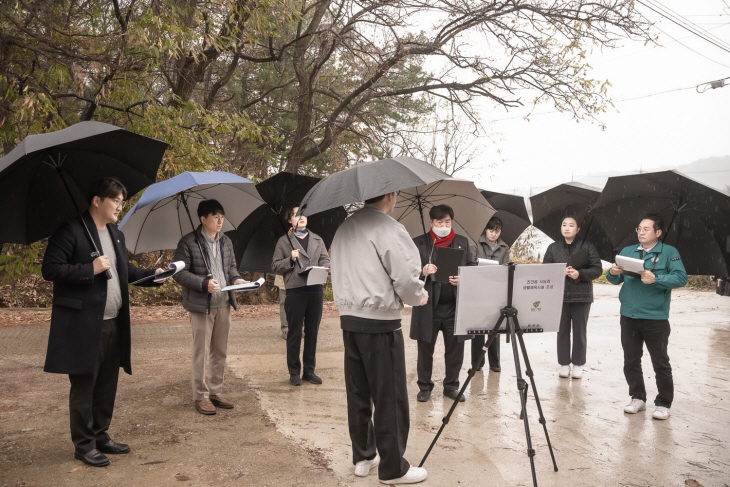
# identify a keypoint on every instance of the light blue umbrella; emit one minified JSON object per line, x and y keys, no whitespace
{"x":168,"y":210}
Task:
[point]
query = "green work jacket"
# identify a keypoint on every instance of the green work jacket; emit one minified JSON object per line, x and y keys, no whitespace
{"x":650,"y":301}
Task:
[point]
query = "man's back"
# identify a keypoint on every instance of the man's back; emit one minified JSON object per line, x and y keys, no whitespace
{"x":375,"y":266}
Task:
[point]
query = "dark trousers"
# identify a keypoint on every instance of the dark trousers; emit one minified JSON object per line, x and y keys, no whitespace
{"x":443,"y":321}
{"x":91,"y":400}
{"x":477,"y":344}
{"x":655,"y":333}
{"x":375,"y":379}
{"x":302,"y":307}
{"x":575,"y":317}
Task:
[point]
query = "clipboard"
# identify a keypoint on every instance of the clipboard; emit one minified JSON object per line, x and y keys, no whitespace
{"x":447,"y":262}
{"x":578,"y":259}
{"x":249,"y":286}
{"x":631,"y":266}
{"x":315,"y":274}
{"x":172,"y":269}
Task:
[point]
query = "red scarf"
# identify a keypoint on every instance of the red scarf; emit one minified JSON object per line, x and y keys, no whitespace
{"x":442,"y":242}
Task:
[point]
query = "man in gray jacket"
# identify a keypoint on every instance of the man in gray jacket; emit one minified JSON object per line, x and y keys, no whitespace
{"x":209,"y":266}
{"x":375,"y":269}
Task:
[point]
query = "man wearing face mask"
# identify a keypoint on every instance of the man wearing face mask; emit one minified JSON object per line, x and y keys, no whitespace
{"x":439,"y":314}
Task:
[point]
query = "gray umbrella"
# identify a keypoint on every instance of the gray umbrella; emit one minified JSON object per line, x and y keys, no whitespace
{"x":369,"y":180}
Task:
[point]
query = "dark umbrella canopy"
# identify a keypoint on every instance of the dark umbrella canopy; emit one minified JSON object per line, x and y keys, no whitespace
{"x":32,"y":191}
{"x":511,"y":209}
{"x":369,"y":180}
{"x":255,"y":239}
{"x":696,"y":217}
{"x":549,"y":208}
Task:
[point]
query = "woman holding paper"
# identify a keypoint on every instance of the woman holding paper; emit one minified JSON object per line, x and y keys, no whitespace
{"x":490,"y":247}
{"x":294,"y":254}
{"x":584,"y":265}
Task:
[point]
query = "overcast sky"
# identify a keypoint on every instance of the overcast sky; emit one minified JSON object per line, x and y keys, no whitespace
{"x":666,"y":129}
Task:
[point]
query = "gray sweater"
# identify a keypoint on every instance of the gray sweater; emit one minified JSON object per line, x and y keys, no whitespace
{"x":375,"y":267}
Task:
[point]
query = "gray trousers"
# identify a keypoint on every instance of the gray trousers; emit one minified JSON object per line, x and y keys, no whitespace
{"x":282,"y":312}
{"x":575,"y":316}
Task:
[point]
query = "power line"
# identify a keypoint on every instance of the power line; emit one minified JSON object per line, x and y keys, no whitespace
{"x":687,"y":21}
{"x":687,"y":47}
{"x":698,"y":34}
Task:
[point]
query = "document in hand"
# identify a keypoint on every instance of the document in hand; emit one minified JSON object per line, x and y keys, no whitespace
{"x":578,"y":259}
{"x":487,"y":262}
{"x":172,"y":269}
{"x":315,"y":275}
{"x":249,"y":286}
{"x":631,"y":266}
{"x":447,"y":262}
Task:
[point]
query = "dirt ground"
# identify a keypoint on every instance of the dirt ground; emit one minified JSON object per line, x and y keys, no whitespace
{"x":279,"y":435}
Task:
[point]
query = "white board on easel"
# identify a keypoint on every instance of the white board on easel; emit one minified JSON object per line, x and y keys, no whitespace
{"x":537,"y":296}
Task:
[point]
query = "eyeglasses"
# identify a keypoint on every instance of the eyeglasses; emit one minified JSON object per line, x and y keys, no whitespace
{"x":644,"y":229}
{"x":119,"y":203}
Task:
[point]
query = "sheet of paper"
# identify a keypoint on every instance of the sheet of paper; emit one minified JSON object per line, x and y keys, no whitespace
{"x":317,"y":275}
{"x":172,"y":269}
{"x":630,"y":264}
{"x":488,"y":262}
{"x":249,"y":286}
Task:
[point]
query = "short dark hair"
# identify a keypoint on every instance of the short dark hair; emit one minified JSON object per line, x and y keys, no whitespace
{"x":106,"y":188}
{"x":374,"y":200}
{"x":573,"y":216}
{"x":439,"y":212}
{"x":658,"y":221}
{"x":210,"y":207}
{"x":289,"y":212}
{"x":494,"y":223}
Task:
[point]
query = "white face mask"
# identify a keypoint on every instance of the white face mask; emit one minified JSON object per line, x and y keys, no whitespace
{"x":441,"y":232}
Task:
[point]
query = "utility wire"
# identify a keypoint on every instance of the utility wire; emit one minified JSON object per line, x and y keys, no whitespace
{"x":704,"y":32}
{"x":668,"y":17}
{"x":687,"y":47}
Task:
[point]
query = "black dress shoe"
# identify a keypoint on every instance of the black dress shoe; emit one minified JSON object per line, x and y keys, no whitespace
{"x":496,"y":369}
{"x":453,"y":394}
{"x":112,"y":447}
{"x":94,"y":458}
{"x":295,"y":380}
{"x":313,"y":378}
{"x":423,"y":396}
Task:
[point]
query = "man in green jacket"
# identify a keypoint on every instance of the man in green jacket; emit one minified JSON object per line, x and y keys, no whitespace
{"x":645,"y":312}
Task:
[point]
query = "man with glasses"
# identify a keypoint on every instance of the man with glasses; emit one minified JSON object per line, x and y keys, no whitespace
{"x":645,"y":313}
{"x":209,"y":267}
{"x":90,"y":327}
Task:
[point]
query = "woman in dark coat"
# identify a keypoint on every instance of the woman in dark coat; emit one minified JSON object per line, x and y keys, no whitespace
{"x":577,"y":297}
{"x":490,"y":247}
{"x":303,"y":304}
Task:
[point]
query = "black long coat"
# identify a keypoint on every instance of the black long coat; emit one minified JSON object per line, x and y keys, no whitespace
{"x":422,"y":316}
{"x":580,"y":290}
{"x":79,"y":297}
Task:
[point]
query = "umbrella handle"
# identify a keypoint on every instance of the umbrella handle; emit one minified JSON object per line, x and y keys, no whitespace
{"x":96,"y":253}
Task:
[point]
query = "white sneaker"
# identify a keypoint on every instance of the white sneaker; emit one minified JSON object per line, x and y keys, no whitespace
{"x":363,"y":467}
{"x":660,"y":413}
{"x":565,"y":371}
{"x":413,"y":476}
{"x":577,"y":372}
{"x":635,"y":406}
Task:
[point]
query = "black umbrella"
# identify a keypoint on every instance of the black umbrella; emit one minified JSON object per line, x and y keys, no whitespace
{"x":369,"y":180}
{"x":255,"y":239}
{"x":44,"y":180}
{"x":697,"y":217}
{"x":511,"y":209}
{"x":549,"y":208}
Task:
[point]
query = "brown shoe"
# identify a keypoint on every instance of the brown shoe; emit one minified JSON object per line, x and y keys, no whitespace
{"x":205,"y":406}
{"x":221,"y":402}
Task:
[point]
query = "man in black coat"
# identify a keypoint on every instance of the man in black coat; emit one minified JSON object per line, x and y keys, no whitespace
{"x":439,"y":313}
{"x":90,"y":327}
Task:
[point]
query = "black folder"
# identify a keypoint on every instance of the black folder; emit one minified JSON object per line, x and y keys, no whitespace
{"x":578,"y":259}
{"x":447,"y":262}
